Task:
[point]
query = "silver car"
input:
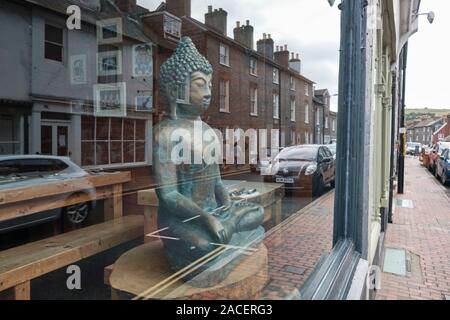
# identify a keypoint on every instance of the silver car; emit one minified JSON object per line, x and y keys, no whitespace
{"x":35,"y":170}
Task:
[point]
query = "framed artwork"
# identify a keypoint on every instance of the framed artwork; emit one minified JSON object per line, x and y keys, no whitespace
{"x":144,"y":103}
{"x":110,"y":100}
{"x":109,"y":31}
{"x":78,"y":69}
{"x":143,"y":60}
{"x":109,"y":63}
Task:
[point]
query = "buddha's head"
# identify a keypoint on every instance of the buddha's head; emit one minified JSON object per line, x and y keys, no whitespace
{"x":186,"y":80}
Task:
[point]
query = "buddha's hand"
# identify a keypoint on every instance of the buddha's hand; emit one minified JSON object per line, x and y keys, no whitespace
{"x":217,"y":230}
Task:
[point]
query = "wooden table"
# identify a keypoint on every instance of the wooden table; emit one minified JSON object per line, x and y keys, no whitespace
{"x":29,"y":200}
{"x":20,"y":265}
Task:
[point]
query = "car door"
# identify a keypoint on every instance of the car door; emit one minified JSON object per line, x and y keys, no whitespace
{"x":441,"y":162}
{"x":332,"y":164}
{"x":323,"y":164}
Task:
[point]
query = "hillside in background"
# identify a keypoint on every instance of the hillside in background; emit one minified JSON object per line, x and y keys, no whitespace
{"x":412,"y":114}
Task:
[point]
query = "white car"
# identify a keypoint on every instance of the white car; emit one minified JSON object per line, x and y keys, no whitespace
{"x":36,"y":170}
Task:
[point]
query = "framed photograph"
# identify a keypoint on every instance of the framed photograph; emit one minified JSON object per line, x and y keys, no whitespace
{"x":109,"y":63}
{"x":78,"y":69}
{"x":110,"y":100}
{"x":109,"y":31}
{"x":144,"y":103}
{"x":143,"y":60}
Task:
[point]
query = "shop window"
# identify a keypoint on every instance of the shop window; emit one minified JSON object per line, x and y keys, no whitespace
{"x":9,"y":135}
{"x":116,"y":141}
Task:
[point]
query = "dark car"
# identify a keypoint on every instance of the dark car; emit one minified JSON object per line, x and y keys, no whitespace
{"x":304,"y":169}
{"x":28,"y":171}
{"x":442,"y":171}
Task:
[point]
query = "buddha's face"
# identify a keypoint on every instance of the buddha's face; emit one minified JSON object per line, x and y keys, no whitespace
{"x":200,"y":94}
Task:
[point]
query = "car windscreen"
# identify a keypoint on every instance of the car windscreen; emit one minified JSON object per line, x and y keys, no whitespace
{"x":298,"y":154}
{"x":443,"y":146}
{"x":25,"y":167}
{"x":332,"y":148}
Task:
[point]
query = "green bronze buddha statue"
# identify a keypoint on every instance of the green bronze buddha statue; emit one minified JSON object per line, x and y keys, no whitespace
{"x":203,"y":231}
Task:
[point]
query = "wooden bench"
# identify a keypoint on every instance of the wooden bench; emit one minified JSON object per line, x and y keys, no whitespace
{"x":20,"y":265}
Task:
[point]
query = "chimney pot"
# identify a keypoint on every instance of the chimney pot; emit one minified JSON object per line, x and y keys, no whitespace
{"x":264,"y":36}
{"x":210,"y":9}
{"x":270,"y":37}
{"x":247,"y":22}
{"x":238,"y":24}
{"x":298,"y":56}
{"x":285,"y":47}
{"x":293,"y":56}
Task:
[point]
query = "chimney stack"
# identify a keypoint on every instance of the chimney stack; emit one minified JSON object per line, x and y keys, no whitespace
{"x":282,"y":56}
{"x":244,"y":34}
{"x":295,"y":63}
{"x":217,"y":20}
{"x":265,"y":46}
{"x":126,"y":5}
{"x":180,"y":8}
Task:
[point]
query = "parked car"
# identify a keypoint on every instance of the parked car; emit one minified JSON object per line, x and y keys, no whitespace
{"x":25,"y":171}
{"x":442,"y":171}
{"x":263,"y":163}
{"x":333,"y":149}
{"x":411,"y":148}
{"x":301,"y":166}
{"x":436,"y":154}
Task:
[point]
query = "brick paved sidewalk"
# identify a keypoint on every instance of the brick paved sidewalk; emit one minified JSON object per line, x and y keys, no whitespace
{"x":424,"y":232}
{"x":296,"y":246}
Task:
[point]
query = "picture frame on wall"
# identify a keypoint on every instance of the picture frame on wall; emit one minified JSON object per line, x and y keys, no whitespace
{"x":109,"y":63}
{"x":143,"y":60}
{"x":109,"y":31}
{"x":78,"y":69}
{"x":144,"y":103}
{"x":110,"y":100}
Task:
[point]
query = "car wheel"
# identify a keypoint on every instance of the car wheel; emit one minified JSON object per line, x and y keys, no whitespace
{"x":318,"y":187}
{"x":78,"y":213}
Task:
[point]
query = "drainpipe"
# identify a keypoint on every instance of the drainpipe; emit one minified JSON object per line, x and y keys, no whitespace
{"x":384,"y":222}
{"x":401,"y":167}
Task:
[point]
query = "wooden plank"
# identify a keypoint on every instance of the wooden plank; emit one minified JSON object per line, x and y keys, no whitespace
{"x":22,"y":292}
{"x":113,"y":207}
{"x":148,"y":198}
{"x":150,"y":222}
{"x":33,"y":260}
{"x":63,"y":187}
{"x":15,"y":210}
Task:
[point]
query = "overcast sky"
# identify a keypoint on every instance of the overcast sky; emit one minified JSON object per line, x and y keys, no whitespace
{"x":311,"y":28}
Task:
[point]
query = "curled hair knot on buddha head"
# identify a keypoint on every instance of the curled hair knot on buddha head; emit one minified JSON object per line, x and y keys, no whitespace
{"x":176,"y":71}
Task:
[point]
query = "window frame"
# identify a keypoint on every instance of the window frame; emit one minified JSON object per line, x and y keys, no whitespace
{"x":225,"y":56}
{"x":307,"y":113}
{"x":255,"y":68}
{"x":276,"y":105}
{"x":62,"y":45}
{"x":276,"y":76}
{"x":293,"y":108}
{"x":224,"y":95}
{"x":254,"y":101}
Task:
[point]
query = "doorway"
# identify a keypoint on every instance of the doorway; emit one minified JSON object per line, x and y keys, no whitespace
{"x":55,"y":139}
